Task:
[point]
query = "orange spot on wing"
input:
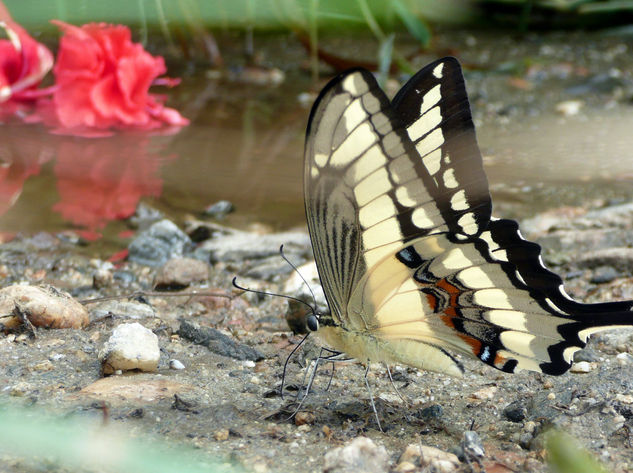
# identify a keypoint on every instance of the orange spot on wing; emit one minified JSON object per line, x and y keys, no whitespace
{"x":432,"y":300}
{"x":475,"y":344}
{"x":500,"y":360}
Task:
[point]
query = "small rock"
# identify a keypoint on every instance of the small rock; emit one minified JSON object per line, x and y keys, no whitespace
{"x":586,"y":354}
{"x":619,"y":259}
{"x":624,"y":398}
{"x":569,"y":108}
{"x":430,"y":458}
{"x":145,"y":216}
{"x":515,"y":411}
{"x":176,"y":365}
{"x":359,"y":455}
{"x":101,"y":278}
{"x":488,"y":392}
{"x":131,"y":346}
{"x":221,"y":435}
{"x":43,"y":306}
{"x":582,"y":367}
{"x":302,"y":418}
{"x":434,"y":411}
{"x":217,"y":342}
{"x":178,"y":273}
{"x":604,"y":274}
{"x":220,"y":209}
{"x":125,"y":389}
{"x":624,"y":358}
{"x":243,"y":245}
{"x":123,"y":309}
{"x":160,"y":242}
{"x":472,"y":447}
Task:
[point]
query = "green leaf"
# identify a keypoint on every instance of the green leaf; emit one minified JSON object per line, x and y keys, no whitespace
{"x":565,"y":456}
{"x":414,"y":25}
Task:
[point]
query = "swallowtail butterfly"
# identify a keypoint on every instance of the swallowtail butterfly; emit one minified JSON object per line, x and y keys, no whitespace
{"x":412,"y":264}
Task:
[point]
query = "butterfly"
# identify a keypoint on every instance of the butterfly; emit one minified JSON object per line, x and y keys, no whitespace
{"x":414,"y":267}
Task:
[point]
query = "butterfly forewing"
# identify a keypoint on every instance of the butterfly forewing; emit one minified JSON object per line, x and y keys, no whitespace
{"x":365,"y":186}
{"x":434,"y":107}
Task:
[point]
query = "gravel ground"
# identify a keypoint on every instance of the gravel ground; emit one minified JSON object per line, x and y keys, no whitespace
{"x":225,"y":399}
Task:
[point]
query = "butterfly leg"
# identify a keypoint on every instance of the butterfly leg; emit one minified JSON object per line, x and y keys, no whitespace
{"x":395,"y":388}
{"x":331,"y":357}
{"x":371,"y":398}
{"x":283,"y":375}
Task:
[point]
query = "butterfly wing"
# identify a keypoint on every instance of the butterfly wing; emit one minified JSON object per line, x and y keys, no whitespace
{"x":411,"y":263}
{"x":365,"y":187}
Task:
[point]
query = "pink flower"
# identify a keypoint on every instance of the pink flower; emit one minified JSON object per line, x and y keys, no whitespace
{"x":102,"y":80}
{"x":23,"y":64}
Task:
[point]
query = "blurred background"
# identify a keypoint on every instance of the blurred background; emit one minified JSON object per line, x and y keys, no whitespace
{"x":550,"y":83}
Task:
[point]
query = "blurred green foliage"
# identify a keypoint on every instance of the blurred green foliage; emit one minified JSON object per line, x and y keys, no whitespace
{"x":30,"y":437}
{"x":565,"y":456}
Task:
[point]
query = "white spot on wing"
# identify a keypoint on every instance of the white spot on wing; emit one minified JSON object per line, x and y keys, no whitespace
{"x":387,"y":231}
{"x":376,"y":210}
{"x":425,"y":123}
{"x":493,"y":298}
{"x":449,"y":179}
{"x":458,"y":201}
{"x":356,"y":142}
{"x":373,"y":186}
{"x":507,"y":319}
{"x":421,"y":219}
{"x":430,"y":142}
{"x":432,"y":97}
{"x":320,"y":159}
{"x":371,"y":160}
{"x":433,"y":160}
{"x":437,"y":72}
{"x":468,"y":224}
{"x":475,"y":278}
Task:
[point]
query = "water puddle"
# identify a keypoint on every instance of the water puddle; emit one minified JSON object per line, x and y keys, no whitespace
{"x":245,"y":145}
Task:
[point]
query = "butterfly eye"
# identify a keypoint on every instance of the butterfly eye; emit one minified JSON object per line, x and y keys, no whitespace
{"x":313,"y":323}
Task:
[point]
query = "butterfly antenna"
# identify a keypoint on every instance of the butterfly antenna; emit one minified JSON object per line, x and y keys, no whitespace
{"x":283,"y":375}
{"x":281,"y":252}
{"x":264,"y":293}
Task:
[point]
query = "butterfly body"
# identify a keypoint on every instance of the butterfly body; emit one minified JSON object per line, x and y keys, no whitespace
{"x":413,"y":266}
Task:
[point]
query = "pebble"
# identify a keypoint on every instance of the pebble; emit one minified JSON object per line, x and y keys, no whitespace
{"x":239,"y":246}
{"x":359,"y":455}
{"x":624,"y":358}
{"x":176,"y":365}
{"x":43,"y":306}
{"x":178,"y":273}
{"x":217,"y":342}
{"x":430,"y":458}
{"x":582,"y":367}
{"x":123,"y":309}
{"x":488,"y":392}
{"x":102,"y":278}
{"x":604,"y":274}
{"x":302,"y":418}
{"x":131,"y":346}
{"x":569,"y":108}
{"x":515,"y":411}
{"x":219,"y":209}
{"x":160,"y":242}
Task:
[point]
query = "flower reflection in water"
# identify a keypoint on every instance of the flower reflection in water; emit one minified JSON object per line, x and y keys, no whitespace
{"x":97,"y":180}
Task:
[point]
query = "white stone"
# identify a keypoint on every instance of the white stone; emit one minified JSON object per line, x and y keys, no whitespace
{"x":176,"y":365}
{"x":131,"y":346}
{"x":582,"y":367}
